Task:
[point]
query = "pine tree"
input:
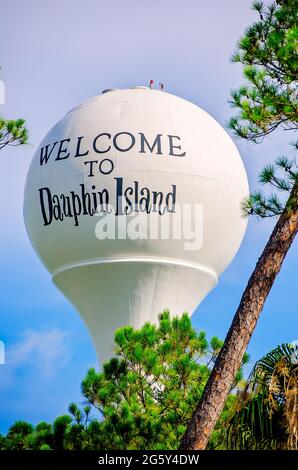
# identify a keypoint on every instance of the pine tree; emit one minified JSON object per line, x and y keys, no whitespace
{"x":12,"y":132}
{"x":142,"y":398}
{"x":268,"y":101}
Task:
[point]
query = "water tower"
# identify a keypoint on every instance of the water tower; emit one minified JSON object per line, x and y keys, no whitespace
{"x":117,"y":162}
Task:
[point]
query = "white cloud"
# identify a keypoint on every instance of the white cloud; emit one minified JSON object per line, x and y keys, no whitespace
{"x":46,"y":351}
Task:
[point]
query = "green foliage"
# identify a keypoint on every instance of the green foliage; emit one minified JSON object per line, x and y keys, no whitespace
{"x":142,"y":399}
{"x":17,"y":436}
{"x":12,"y":132}
{"x":267,"y":415}
{"x":40,"y":438}
{"x":282,"y":176}
{"x":147,"y":393}
{"x":145,"y":396}
{"x":269,"y":53}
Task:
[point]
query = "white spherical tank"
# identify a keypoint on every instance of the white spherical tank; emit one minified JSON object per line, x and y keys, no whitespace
{"x":132,"y":202}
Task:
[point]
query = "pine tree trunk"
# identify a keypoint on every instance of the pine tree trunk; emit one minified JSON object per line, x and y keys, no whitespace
{"x":230,"y":357}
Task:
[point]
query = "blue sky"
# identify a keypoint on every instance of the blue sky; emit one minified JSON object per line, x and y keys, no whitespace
{"x":55,"y":55}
